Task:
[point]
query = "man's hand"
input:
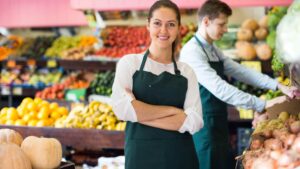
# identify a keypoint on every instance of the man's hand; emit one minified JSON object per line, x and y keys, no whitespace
{"x":291,"y":92}
{"x":259,"y":117}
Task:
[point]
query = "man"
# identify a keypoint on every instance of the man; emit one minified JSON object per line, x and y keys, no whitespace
{"x":211,"y":66}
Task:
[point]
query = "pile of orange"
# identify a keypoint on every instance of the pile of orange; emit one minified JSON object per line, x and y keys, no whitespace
{"x":32,"y":112}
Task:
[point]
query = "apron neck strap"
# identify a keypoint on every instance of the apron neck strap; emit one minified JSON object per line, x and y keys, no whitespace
{"x":176,"y":70}
{"x":201,"y":44}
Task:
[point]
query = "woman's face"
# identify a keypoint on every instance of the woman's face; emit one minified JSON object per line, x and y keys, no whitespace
{"x":163,"y":27}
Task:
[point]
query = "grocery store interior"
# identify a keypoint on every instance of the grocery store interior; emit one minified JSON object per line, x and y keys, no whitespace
{"x":58,"y":61}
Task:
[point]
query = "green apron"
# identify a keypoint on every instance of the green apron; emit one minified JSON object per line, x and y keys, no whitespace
{"x":212,"y":142}
{"x":153,"y":148}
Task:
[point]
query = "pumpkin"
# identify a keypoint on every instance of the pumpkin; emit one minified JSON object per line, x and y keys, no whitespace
{"x":264,"y":52}
{"x":245,"y":50}
{"x":44,"y":153}
{"x":261,"y":33}
{"x":250,"y":24}
{"x":10,"y":136}
{"x":244,"y":34}
{"x":12,"y":157}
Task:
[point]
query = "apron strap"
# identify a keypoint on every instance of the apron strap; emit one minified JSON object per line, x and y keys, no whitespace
{"x":144,"y":60}
{"x":176,"y":70}
{"x":201,"y":44}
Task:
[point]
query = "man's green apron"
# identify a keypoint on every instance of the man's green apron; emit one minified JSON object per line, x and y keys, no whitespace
{"x":212,"y":142}
{"x":153,"y":148}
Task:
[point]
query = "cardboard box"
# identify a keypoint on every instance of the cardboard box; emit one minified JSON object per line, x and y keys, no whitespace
{"x":292,"y":107}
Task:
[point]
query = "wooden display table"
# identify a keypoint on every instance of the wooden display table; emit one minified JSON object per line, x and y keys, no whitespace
{"x":79,"y":139}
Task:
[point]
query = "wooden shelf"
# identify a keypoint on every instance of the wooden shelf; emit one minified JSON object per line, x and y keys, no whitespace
{"x":79,"y":139}
{"x":110,"y":5}
{"x":71,"y":64}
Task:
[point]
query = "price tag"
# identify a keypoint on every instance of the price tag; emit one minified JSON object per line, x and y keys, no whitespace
{"x":51,"y":63}
{"x":11,"y":64}
{"x":255,"y":65}
{"x":5,"y":90}
{"x":31,"y":62}
{"x":17,"y":91}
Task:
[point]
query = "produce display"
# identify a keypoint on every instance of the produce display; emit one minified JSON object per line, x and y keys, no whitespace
{"x":34,"y":78}
{"x":95,"y":115}
{"x":102,"y":84}
{"x":57,"y":91}
{"x":275,"y":143}
{"x":31,"y":153}
{"x":32,"y":112}
{"x":37,"y":47}
{"x":251,"y":40}
{"x":119,"y":41}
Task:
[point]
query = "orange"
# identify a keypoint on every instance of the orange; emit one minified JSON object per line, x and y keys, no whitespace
{"x":63,"y":111}
{"x":37,"y":101}
{"x":32,"y":123}
{"x":3,"y":111}
{"x":26,"y":100}
{"x":42,"y":115}
{"x":55,"y":115}
{"x":41,"y":123}
{"x":2,"y":121}
{"x":20,"y":122}
{"x":10,"y":122}
{"x":53,"y":106}
{"x":26,"y":118}
{"x":32,"y":106}
{"x":12,"y":114}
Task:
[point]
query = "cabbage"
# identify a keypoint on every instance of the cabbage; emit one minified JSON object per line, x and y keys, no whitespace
{"x":288,"y":35}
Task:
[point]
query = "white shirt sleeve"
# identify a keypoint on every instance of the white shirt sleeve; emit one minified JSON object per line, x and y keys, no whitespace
{"x":247,"y":75}
{"x":192,"y":54}
{"x":121,"y":101}
{"x":192,"y":104}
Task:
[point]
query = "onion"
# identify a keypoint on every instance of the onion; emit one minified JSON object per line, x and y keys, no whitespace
{"x":289,"y":140}
{"x":284,"y":160}
{"x":264,"y":163}
{"x":275,"y":154}
{"x":267,"y":133}
{"x":273,"y":144}
{"x":256,"y":144}
{"x":295,"y":127}
{"x":296,"y":145}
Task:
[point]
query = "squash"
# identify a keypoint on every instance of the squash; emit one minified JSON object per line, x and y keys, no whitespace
{"x":12,"y":157}
{"x":10,"y":136}
{"x":245,"y":50}
{"x":261,"y":33}
{"x":44,"y":153}
{"x":250,"y":24}
{"x":264,"y":52}
{"x":244,"y":34}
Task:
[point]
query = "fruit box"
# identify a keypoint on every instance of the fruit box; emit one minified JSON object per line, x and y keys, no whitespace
{"x":292,"y":107}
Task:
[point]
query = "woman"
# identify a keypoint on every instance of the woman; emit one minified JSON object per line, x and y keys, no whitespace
{"x":159,"y":98}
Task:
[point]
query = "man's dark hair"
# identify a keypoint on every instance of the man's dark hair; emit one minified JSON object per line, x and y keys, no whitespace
{"x":213,"y":8}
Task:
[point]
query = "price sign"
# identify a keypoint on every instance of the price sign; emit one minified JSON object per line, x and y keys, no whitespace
{"x":17,"y":90}
{"x":255,"y":65}
{"x":51,"y":63}
{"x":11,"y":64}
{"x":31,"y":62}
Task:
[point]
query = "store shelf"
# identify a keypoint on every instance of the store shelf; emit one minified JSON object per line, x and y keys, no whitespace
{"x":79,"y":139}
{"x":18,"y":91}
{"x":234,"y":116}
{"x":87,"y":65}
{"x":109,"y":5}
{"x":69,"y":64}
